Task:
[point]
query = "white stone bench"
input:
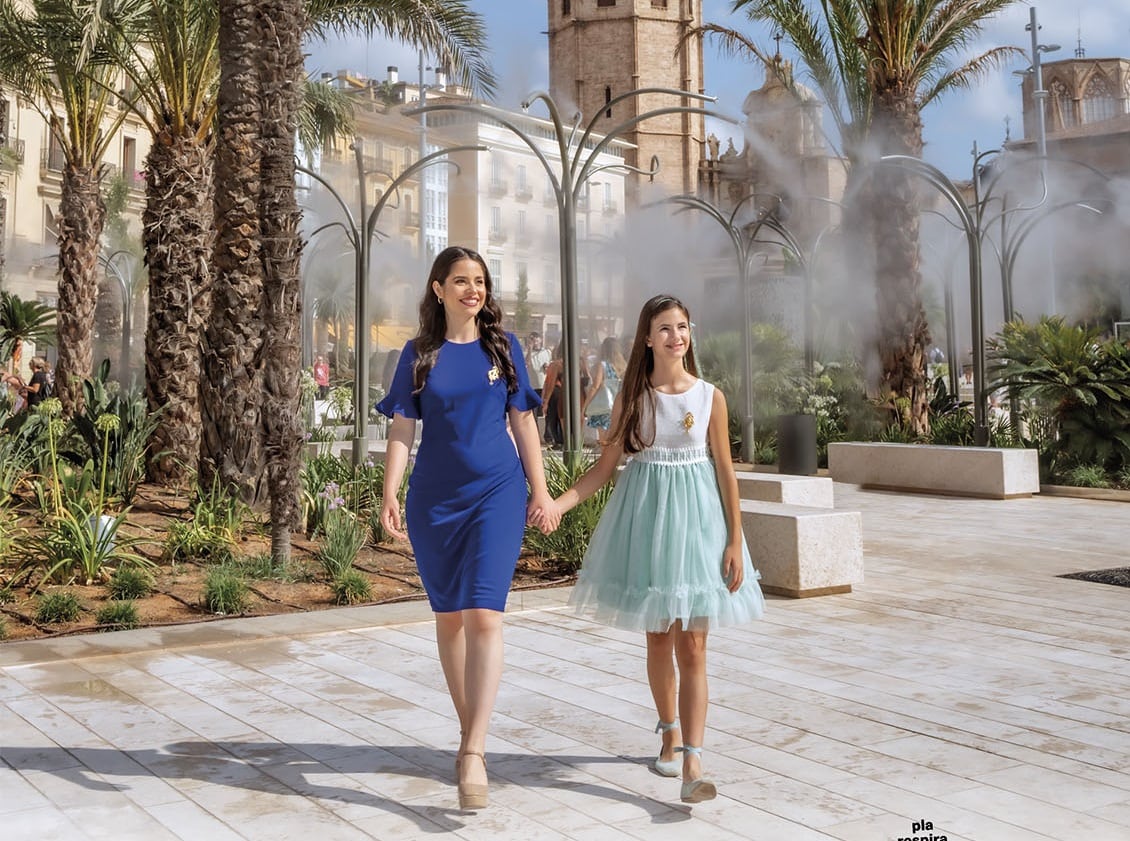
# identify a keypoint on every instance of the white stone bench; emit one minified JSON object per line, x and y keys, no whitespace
{"x":813,"y":491}
{"x":804,"y":551}
{"x":989,"y":472}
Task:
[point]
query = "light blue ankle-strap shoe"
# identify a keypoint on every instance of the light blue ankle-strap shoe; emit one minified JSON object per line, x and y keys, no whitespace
{"x":669,"y":767}
{"x":696,"y":791}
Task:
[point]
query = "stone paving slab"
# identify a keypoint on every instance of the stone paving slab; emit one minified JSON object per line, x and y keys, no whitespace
{"x":962,"y":685}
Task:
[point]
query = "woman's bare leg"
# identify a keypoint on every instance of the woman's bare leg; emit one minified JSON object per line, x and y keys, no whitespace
{"x":482,"y":631}
{"x":452,"y":644}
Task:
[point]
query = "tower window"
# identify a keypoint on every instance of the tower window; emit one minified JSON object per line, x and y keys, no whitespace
{"x":659,"y":4}
{"x":607,"y":99}
{"x":566,"y":7}
{"x":605,"y":2}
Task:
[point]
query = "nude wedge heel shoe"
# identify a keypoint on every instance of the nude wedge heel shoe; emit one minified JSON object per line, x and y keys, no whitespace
{"x":472,"y":796}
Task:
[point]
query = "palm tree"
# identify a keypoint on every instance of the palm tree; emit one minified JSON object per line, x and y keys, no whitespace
{"x":877,"y":64}
{"x":23,"y":322}
{"x":169,"y":54}
{"x":258,"y":241}
{"x":48,"y":57}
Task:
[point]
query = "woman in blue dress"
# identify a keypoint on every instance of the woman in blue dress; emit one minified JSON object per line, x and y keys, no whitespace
{"x":464,"y":378}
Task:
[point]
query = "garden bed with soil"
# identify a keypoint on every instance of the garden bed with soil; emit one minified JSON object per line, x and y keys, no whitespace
{"x":177,"y":595}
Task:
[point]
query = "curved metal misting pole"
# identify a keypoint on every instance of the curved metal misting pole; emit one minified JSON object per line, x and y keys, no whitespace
{"x":359,"y":230}
{"x":578,"y":164}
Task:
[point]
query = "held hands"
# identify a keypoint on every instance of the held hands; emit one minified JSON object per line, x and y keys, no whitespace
{"x":390,"y":518}
{"x":544,"y":513}
{"x":732,"y":571}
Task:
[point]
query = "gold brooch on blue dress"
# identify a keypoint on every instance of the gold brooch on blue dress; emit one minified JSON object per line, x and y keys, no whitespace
{"x":493,"y":375}
{"x":688,"y":421}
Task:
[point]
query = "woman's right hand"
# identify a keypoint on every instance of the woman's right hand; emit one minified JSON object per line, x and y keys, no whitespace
{"x":390,"y":518}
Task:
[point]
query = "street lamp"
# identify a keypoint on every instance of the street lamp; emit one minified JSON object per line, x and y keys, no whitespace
{"x":125,"y":283}
{"x":1041,"y":96}
{"x":578,"y":164}
{"x":359,"y":230}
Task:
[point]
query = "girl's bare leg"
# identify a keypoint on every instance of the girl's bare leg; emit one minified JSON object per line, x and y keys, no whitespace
{"x":690,"y":653}
{"x":661,"y":679}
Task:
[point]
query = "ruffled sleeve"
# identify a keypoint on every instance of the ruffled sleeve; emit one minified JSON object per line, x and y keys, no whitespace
{"x":526,"y":397}
{"x":400,"y":400}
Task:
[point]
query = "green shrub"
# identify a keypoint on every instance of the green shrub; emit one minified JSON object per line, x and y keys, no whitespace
{"x":1087,"y":476}
{"x":1072,"y":375}
{"x":567,"y":545}
{"x":118,"y":616}
{"x":60,"y":606}
{"x":351,"y":587}
{"x":1123,"y":477}
{"x":189,"y":541}
{"x":344,"y":537}
{"x":262,"y":567}
{"x":130,"y":583}
{"x":225,"y":592}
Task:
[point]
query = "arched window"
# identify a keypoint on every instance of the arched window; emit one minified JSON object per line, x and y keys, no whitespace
{"x":1099,"y":100}
{"x":1062,"y":105}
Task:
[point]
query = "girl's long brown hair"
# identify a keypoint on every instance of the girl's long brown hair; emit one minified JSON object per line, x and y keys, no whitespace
{"x":636,"y":395}
{"x":433,"y":322}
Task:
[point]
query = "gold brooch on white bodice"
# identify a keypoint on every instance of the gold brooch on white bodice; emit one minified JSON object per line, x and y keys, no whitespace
{"x":493,"y":374}
{"x":688,"y":421}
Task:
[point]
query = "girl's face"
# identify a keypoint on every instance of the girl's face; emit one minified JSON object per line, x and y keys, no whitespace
{"x":463,"y":291}
{"x":670,"y":334}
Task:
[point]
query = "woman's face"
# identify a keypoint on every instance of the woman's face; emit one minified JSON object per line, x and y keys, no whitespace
{"x":670,"y":334}
{"x":463,"y":291}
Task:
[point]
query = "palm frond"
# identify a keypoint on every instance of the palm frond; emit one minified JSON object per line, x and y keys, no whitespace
{"x":448,"y":29}
{"x":326,"y":112}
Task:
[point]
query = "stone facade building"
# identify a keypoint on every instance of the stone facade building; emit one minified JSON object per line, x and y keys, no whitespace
{"x":600,"y":49}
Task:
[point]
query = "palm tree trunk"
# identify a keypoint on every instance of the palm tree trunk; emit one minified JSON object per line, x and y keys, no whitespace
{"x":904,"y":334}
{"x":281,"y":68}
{"x":231,"y":388}
{"x":82,"y":214}
{"x":178,"y":233}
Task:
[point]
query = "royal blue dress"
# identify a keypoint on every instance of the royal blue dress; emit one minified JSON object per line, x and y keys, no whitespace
{"x":467,"y":492}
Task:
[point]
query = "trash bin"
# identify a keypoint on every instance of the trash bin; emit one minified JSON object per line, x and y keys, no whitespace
{"x":796,"y":444}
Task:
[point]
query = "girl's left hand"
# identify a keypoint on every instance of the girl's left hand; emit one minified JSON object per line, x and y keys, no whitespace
{"x":732,"y":572}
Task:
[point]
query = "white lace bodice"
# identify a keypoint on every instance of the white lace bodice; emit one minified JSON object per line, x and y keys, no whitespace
{"x":681,"y":421}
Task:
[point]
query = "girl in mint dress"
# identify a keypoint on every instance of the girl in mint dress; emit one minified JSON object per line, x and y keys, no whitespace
{"x":668,"y":556}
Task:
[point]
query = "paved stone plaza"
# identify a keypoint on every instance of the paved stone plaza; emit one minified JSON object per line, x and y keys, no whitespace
{"x":962,"y":686}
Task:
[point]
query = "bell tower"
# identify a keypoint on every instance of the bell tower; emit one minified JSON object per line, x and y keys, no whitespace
{"x":600,"y":49}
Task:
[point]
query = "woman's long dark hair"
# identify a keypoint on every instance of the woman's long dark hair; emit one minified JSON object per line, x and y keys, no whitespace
{"x":433,"y":322}
{"x":635,"y":389}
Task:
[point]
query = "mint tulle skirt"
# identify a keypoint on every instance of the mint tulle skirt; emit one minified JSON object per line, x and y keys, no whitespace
{"x":656,"y":555}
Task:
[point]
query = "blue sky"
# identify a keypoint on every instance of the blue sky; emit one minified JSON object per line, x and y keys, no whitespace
{"x":520,"y":57}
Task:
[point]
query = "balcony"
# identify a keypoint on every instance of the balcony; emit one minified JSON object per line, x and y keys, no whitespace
{"x":523,"y":193}
{"x":51,"y":159}
{"x":496,"y":236}
{"x":409,"y":220}
{"x":610,"y":208}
